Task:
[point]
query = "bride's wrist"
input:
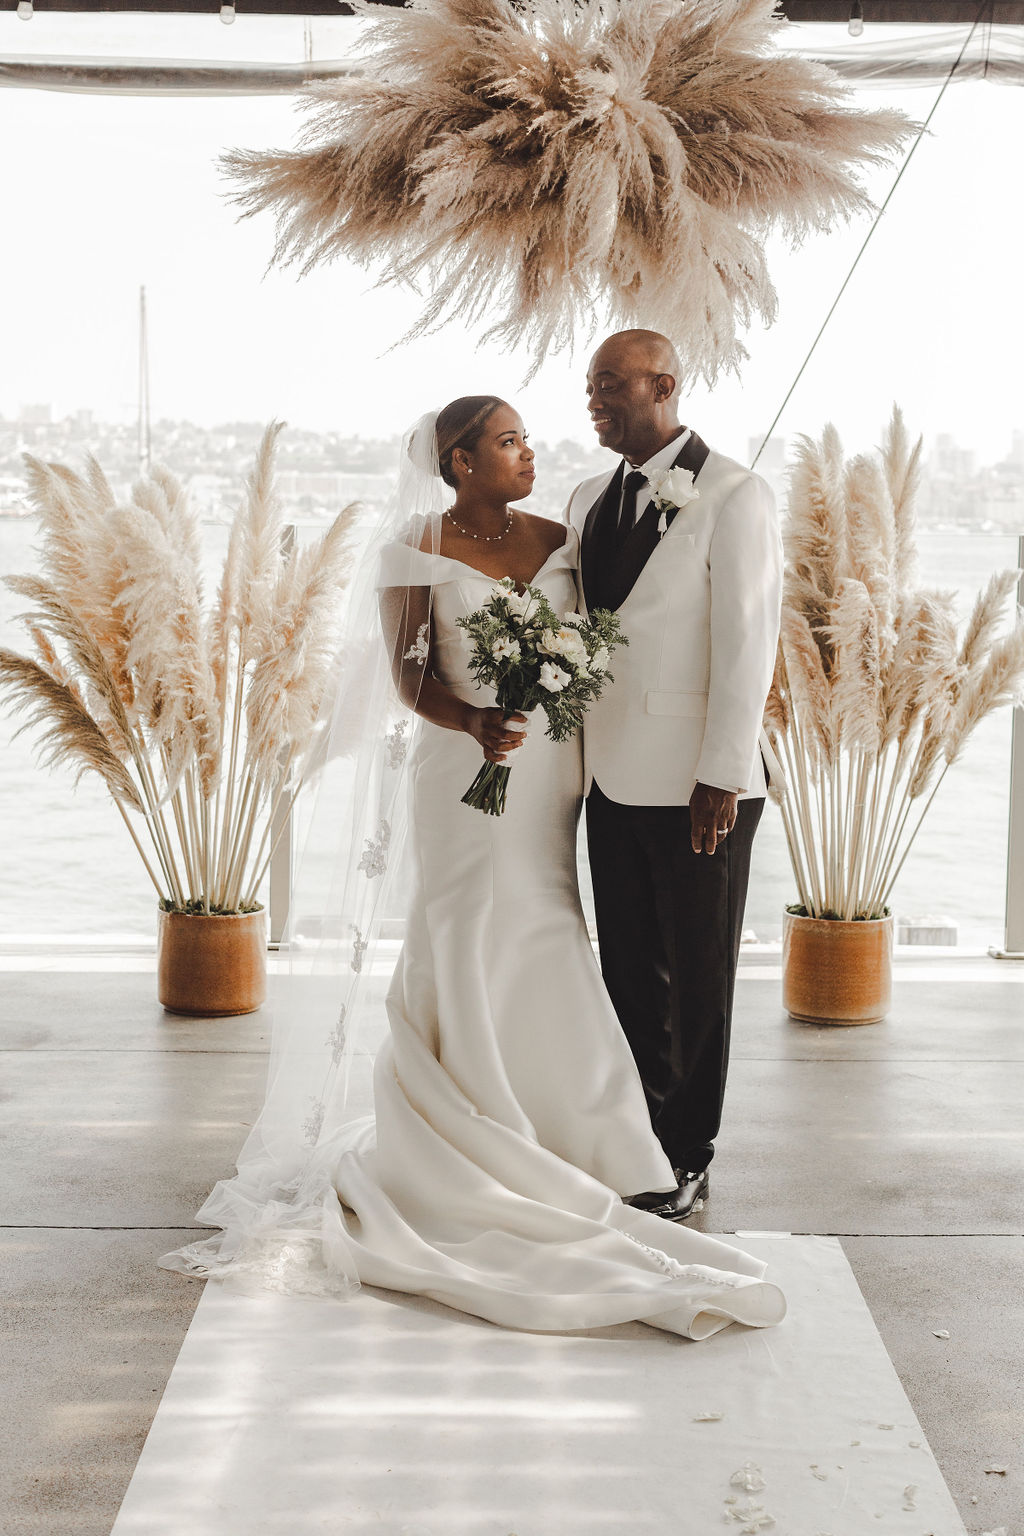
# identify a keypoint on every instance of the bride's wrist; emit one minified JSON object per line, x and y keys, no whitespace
{"x":470,"y":715}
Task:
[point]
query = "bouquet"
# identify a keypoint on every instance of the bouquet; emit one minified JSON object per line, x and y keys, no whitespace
{"x":520,"y":647}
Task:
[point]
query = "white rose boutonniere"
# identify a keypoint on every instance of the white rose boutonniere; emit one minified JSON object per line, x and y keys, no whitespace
{"x":671,"y":494}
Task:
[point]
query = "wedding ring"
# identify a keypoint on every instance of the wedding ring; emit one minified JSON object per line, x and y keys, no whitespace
{"x":722,"y":831}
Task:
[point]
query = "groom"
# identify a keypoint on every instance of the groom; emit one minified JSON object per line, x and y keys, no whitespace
{"x":675,"y":754}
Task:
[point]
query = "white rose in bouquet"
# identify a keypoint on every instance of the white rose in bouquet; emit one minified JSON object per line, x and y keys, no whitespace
{"x":566,"y":642}
{"x":599,"y":661}
{"x":505,"y":648}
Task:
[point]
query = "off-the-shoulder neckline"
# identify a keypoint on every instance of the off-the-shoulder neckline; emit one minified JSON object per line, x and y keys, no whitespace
{"x":570,"y":534}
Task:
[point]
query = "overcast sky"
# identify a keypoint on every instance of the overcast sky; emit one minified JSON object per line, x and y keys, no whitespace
{"x":99,"y":195}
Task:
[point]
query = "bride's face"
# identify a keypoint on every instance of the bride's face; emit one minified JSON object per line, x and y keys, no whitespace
{"x":502,"y":461}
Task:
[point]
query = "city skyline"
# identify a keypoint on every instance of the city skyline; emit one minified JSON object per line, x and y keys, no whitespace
{"x":319,"y":471}
{"x":41,"y":413}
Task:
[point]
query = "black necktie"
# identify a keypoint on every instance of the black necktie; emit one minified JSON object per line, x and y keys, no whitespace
{"x":627,"y":514}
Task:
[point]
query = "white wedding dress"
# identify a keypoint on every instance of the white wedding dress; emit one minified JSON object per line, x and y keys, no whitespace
{"x":509,"y":1118}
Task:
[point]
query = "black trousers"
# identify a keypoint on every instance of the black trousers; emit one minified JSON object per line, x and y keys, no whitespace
{"x":669,"y":923}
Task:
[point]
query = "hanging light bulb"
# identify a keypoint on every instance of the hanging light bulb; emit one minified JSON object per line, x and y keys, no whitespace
{"x":227,"y":14}
{"x":25,"y":11}
{"x":856,"y":18}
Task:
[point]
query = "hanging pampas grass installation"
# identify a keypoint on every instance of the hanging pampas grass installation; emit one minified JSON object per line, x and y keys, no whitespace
{"x":197,"y":719}
{"x":876,"y":690}
{"x":525,"y":160}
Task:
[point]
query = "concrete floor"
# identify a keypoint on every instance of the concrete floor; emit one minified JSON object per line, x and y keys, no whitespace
{"x":905,"y":1139}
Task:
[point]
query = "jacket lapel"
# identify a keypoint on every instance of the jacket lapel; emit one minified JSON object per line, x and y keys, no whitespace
{"x":640,"y":544}
{"x":598,"y":539}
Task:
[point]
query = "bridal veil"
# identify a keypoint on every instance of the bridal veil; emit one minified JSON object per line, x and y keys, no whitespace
{"x":279,"y":1216}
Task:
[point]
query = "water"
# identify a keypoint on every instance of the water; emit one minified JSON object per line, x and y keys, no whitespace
{"x":70,"y":867}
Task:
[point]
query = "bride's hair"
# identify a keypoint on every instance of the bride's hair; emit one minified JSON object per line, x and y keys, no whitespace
{"x":461,"y":425}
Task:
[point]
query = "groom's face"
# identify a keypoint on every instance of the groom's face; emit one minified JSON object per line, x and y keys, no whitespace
{"x":622,"y":397}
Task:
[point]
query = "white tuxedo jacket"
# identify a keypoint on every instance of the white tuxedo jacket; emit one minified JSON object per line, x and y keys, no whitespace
{"x":703,"y":625}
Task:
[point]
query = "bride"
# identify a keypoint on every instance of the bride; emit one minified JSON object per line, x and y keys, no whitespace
{"x":510,"y":1125}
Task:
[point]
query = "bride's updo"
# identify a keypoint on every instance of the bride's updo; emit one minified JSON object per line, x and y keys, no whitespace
{"x":461,"y":425}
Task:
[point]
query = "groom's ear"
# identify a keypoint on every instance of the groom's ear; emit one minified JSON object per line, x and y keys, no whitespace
{"x":664,"y":387}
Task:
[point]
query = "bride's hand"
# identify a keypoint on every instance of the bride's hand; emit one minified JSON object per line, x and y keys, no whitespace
{"x":496,"y":735}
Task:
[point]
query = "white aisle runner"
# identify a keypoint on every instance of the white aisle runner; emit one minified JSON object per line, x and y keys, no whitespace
{"x":397,"y":1417}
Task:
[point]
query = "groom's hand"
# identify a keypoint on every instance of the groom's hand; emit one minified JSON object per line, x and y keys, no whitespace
{"x":712,"y":817}
{"x":496,"y":735}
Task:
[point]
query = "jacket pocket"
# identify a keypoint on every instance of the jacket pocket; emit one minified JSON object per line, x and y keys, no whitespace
{"x":675,"y":546}
{"x":658,"y":702}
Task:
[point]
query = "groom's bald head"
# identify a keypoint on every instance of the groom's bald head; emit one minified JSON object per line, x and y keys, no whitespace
{"x":642,"y":349}
{"x":633,"y":391}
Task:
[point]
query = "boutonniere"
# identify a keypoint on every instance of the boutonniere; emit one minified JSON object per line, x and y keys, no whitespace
{"x":671,"y":494}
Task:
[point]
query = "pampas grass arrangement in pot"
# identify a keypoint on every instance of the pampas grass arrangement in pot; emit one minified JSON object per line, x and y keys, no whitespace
{"x":876,"y":692}
{"x":198,"y":717}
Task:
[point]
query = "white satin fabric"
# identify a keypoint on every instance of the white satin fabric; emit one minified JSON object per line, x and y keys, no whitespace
{"x":509,"y":1115}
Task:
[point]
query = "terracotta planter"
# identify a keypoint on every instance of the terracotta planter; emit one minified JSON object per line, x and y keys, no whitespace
{"x":836,"y":972}
{"x":211,"y":966}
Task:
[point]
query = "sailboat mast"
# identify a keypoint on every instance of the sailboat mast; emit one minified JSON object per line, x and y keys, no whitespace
{"x":145,"y":438}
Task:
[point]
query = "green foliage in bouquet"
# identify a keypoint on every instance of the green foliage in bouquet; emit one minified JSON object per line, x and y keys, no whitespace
{"x":535,"y":658}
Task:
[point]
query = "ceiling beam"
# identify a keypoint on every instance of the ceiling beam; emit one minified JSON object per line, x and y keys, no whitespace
{"x":932,"y":13}
{"x":925,"y":12}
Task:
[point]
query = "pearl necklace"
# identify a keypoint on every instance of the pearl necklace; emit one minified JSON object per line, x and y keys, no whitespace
{"x":493,"y":538}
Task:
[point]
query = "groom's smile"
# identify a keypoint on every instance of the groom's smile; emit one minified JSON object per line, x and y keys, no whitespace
{"x":607,"y":425}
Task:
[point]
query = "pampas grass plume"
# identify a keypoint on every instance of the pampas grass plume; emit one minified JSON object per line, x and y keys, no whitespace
{"x":260,"y":551}
{"x":998,"y":682}
{"x":69,"y":735}
{"x":902,"y":467}
{"x":288,"y":680}
{"x":55,"y":614}
{"x":855,"y":681}
{"x":986,"y":618}
{"x":809,"y":687}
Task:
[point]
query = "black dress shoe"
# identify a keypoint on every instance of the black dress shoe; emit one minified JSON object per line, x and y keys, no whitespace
{"x":686,"y":1199}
